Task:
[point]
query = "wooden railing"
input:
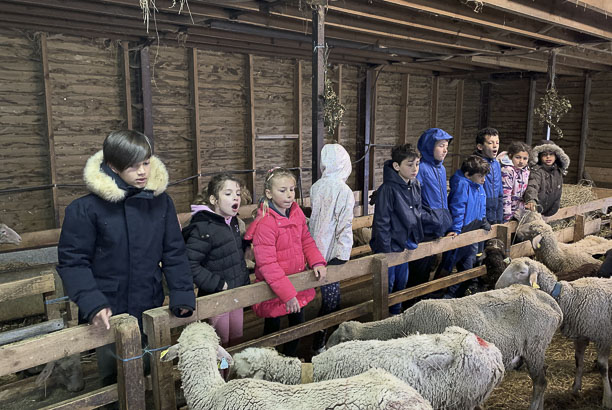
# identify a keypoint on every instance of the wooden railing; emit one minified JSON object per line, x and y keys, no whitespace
{"x":158,"y":322}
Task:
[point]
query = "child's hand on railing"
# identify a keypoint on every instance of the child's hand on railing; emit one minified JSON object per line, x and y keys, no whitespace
{"x":320,"y":272}
{"x":293,"y":306}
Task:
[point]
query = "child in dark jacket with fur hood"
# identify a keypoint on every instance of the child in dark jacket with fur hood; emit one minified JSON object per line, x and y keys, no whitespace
{"x":215,"y":250}
{"x":548,"y":165}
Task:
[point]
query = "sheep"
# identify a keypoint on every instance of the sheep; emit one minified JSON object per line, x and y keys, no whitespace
{"x":559,"y":257}
{"x":494,"y":258}
{"x":452,"y":370}
{"x":504,"y":317}
{"x":587,"y":310}
{"x":362,"y":236}
{"x":7,"y":235}
{"x":67,"y":372}
{"x":205,"y":389}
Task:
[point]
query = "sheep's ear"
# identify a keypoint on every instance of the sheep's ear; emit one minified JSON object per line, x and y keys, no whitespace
{"x":438,"y":361}
{"x":533,"y":280}
{"x":169,"y":354}
{"x":535,"y":242}
{"x":45,"y":374}
{"x":223,"y":354}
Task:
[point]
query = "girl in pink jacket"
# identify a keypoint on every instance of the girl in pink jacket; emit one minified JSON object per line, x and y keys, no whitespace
{"x":515,"y":175}
{"x":282,"y":247}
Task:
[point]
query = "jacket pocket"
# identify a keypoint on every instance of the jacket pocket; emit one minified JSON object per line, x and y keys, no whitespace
{"x":109,"y":288}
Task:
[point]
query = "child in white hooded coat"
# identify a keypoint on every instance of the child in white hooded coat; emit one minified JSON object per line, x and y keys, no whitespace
{"x":331,"y":222}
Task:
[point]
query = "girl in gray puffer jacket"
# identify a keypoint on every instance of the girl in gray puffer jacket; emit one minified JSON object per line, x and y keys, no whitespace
{"x":215,"y":250}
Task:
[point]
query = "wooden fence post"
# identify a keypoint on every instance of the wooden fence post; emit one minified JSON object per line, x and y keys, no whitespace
{"x":130,"y":375}
{"x":504,"y":235}
{"x":157,"y":328}
{"x":579,"y":228}
{"x":380,"y":287}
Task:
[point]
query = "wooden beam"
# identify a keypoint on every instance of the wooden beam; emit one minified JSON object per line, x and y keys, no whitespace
{"x":194,"y":85}
{"x":373,"y":105}
{"x":127,"y":81}
{"x":404,"y":98}
{"x":338,"y":91}
{"x":298,"y":116}
{"x":147,"y":96}
{"x":458,"y":133}
{"x":584,"y":127}
{"x":366,"y":115}
{"x":251,"y":131}
{"x":600,"y":6}
{"x":130,"y":376}
{"x":525,"y":64}
{"x":318,"y":89}
{"x":50,"y":134}
{"x":435,"y":93}
{"x":591,"y":24}
{"x":530,"y":107}
{"x":485,"y":106}
{"x":551,"y":74}
{"x":156,"y":325}
{"x":380,"y":287}
{"x":43,"y":328}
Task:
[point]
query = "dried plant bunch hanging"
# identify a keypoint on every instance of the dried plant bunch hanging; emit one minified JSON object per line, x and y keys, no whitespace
{"x":333,"y":109}
{"x":551,"y":109}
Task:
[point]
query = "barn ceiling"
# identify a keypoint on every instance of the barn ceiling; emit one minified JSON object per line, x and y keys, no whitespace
{"x":446,"y":37}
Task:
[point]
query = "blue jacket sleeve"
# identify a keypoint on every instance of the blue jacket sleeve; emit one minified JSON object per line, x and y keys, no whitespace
{"x":457,"y":205}
{"x":75,"y":251}
{"x":381,"y":225}
{"x":175,"y":264}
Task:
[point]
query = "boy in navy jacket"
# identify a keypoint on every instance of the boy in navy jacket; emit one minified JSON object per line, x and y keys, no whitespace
{"x":397,"y":216}
{"x":467,"y":204}
{"x":487,"y":147}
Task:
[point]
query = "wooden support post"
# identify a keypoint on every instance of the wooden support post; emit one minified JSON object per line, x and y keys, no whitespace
{"x":367,"y":114}
{"x":584,"y":128}
{"x":252,"y":163}
{"x":156,"y":326}
{"x":404,"y":137}
{"x":147,"y":96}
{"x":380,"y":287}
{"x":129,"y":122}
{"x":530,"y":107}
{"x":373,"y":96}
{"x":485,"y":107}
{"x":338,"y":91}
{"x":297,"y":116}
{"x":435,"y":92}
{"x":505,"y":235}
{"x":130,"y":376}
{"x":318,"y":88}
{"x":50,"y":133}
{"x":52,"y":306}
{"x":579,"y":228}
{"x":457,"y":137}
{"x":194,"y":82}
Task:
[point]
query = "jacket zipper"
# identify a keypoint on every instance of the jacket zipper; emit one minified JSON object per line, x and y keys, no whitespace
{"x":440,"y":186}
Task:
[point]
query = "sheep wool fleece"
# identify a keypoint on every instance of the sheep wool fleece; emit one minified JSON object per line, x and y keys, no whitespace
{"x":282,"y":246}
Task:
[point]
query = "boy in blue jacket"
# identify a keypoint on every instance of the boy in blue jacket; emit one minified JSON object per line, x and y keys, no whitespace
{"x":433,"y":146}
{"x":487,"y":147}
{"x":467,"y":204}
{"x":397,"y":215}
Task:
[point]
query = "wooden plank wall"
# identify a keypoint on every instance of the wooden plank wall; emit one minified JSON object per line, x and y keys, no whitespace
{"x":470,"y":112}
{"x":599,"y":149}
{"x":24,"y":158}
{"x":350,"y":84}
{"x":509,"y":101}
{"x":389,"y":87}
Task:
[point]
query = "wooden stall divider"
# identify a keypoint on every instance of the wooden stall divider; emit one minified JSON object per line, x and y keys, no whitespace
{"x":380,"y":287}
{"x":130,"y":376}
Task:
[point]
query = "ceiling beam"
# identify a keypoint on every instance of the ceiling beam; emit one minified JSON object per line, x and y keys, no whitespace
{"x":524,"y":64}
{"x":601,"y":6}
{"x":573,"y":18}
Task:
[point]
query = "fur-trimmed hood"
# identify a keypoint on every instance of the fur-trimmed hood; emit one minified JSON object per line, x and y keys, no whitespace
{"x":562,"y":161}
{"x":106,"y":186}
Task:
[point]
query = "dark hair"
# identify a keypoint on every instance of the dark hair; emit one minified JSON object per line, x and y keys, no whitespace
{"x":475,"y":165}
{"x":214,"y":187}
{"x":404,"y":151}
{"x":517,"y":147}
{"x":124,"y":148}
{"x":481,"y":135}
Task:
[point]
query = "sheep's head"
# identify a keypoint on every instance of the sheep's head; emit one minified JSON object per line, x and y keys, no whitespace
{"x":532,"y":226}
{"x":346,"y":331}
{"x":253,"y":363}
{"x":522,"y":271}
{"x":67,"y":371}
{"x":7,"y":235}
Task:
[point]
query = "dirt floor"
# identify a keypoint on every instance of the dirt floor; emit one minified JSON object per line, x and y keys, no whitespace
{"x":515,"y":390}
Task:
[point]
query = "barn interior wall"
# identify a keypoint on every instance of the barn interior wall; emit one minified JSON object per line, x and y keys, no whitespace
{"x":88,"y":100}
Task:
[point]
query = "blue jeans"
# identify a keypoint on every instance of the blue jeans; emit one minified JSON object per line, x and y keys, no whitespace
{"x":463,"y":259}
{"x":398,"y":278}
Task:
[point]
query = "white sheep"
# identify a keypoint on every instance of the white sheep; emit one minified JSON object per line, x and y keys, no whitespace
{"x":205,"y":389}
{"x":587,"y":310}
{"x":557,"y":256}
{"x":452,"y":370}
{"x":504,"y":317}
{"x":7,"y":235}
